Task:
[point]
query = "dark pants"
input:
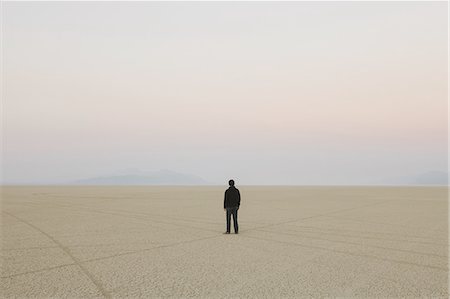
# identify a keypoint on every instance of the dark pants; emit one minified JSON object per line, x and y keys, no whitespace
{"x":232,"y":211}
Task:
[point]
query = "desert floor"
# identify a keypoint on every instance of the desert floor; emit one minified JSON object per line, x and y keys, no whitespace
{"x":168,"y":242}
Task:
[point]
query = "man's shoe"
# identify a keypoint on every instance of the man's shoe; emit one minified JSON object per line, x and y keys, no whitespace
{"x":226,"y":233}
{"x":236,"y":233}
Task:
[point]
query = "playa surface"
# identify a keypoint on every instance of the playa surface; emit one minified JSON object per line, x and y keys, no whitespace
{"x":168,"y":242}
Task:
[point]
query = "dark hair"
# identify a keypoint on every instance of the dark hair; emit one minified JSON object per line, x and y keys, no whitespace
{"x":231,"y":182}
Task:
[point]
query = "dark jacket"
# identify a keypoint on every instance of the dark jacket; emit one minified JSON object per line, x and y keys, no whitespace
{"x":232,"y":198}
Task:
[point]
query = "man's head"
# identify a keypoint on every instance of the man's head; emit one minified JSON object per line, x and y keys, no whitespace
{"x":231,"y":183}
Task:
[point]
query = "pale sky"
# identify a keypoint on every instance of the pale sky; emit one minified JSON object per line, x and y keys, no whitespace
{"x":262,"y":92}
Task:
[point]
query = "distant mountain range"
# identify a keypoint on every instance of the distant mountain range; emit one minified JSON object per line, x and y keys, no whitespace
{"x":431,"y":178}
{"x":426,"y":178}
{"x":161,"y":177}
{"x":169,"y":177}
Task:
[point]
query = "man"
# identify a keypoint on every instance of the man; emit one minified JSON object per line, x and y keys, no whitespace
{"x":231,"y":205}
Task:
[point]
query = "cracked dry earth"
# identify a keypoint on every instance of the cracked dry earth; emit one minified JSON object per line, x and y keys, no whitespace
{"x":89,"y":241}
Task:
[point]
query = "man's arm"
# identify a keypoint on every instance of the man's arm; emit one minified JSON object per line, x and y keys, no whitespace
{"x":224,"y":199}
{"x":239,"y":198}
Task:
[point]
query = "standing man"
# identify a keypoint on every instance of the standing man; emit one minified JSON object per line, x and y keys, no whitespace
{"x":231,"y":205}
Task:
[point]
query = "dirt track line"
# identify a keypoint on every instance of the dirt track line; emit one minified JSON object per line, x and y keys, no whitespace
{"x":67,"y":251}
{"x":372,"y":233}
{"x":145,"y":214}
{"x":357,"y":244}
{"x":115,"y":255}
{"x":332,"y":233}
{"x":38,"y":270}
{"x":27,"y":248}
{"x":130,"y":215}
{"x":349,"y":253}
{"x":383,"y":223}
{"x":151,"y":248}
{"x":142,"y":216}
{"x":319,"y":215}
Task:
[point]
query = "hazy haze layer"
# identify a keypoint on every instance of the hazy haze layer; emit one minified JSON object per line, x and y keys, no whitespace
{"x":267,"y":93}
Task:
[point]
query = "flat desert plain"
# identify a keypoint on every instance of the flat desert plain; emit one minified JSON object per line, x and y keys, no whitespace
{"x":168,"y":242}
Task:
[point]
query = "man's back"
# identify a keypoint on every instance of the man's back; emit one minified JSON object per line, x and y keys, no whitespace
{"x":232,"y":198}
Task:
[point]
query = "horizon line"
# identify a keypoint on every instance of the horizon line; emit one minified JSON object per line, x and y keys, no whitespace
{"x":224,"y":185}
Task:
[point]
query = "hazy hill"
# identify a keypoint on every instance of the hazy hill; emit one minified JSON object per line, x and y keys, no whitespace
{"x":425,"y":178}
{"x":431,"y":178}
{"x":161,"y":177}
